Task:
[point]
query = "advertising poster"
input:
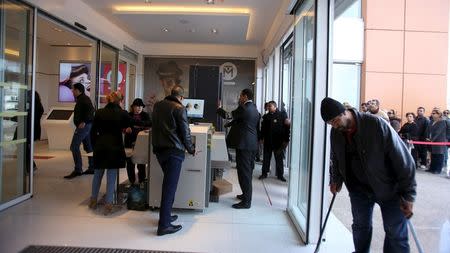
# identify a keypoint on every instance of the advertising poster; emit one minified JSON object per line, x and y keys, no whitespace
{"x":105,"y":81}
{"x":70,"y":73}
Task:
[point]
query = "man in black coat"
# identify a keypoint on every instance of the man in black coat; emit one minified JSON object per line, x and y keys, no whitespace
{"x":83,"y":115}
{"x":171,"y":136}
{"x":246,"y":129}
{"x":422,"y":123}
{"x":376,"y":167}
{"x":275,"y":132}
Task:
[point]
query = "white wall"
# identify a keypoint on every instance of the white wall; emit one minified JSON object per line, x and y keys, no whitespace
{"x":47,"y":70}
{"x":200,"y":50}
{"x":281,"y":28}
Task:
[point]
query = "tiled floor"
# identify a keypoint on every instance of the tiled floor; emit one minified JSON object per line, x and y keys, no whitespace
{"x":58,"y":215}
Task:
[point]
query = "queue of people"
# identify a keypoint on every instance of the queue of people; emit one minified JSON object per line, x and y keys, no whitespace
{"x":425,"y":136}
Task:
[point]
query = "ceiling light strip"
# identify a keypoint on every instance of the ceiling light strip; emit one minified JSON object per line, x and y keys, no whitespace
{"x":181,"y":9}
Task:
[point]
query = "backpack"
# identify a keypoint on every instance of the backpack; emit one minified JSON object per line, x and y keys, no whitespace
{"x":137,"y":198}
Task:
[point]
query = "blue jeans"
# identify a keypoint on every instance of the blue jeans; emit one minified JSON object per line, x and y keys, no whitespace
{"x":111,"y":175}
{"x":81,"y":135}
{"x":171,"y":167}
{"x":394,"y":222}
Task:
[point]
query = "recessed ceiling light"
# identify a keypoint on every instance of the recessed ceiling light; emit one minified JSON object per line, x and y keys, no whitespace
{"x":179,"y":9}
{"x":209,"y":1}
{"x":148,"y":1}
{"x":214,"y":30}
{"x":165,"y":30}
{"x":69,"y":44}
{"x":57,"y":29}
{"x":184,"y":21}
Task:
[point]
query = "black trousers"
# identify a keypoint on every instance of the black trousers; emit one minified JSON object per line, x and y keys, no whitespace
{"x":171,"y":167}
{"x":422,"y":154}
{"x":279,"y":156}
{"x":245,"y":163}
{"x":131,"y":173}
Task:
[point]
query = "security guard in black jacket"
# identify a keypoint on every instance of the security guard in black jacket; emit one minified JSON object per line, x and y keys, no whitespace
{"x":275,"y":133}
{"x":171,"y":136}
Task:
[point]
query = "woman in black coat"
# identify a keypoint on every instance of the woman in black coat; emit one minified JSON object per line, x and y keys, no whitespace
{"x":408,"y":132}
{"x":109,"y":151}
{"x":140,"y":120}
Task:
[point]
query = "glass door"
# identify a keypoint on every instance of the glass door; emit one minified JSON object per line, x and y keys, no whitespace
{"x":122,"y":83}
{"x":109,"y":58}
{"x":302,"y":117}
{"x":132,"y":84}
{"x":287,"y":68}
{"x":16,"y":54}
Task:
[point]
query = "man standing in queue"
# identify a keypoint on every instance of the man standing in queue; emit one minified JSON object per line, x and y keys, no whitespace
{"x":246,"y":127}
{"x":275,"y":133}
{"x":171,"y":136}
{"x":372,"y":160}
{"x":83,"y":115}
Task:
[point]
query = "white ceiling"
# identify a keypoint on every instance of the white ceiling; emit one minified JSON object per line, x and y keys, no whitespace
{"x":57,"y":35}
{"x":232,"y":28}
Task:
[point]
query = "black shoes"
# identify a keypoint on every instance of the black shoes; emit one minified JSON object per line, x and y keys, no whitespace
{"x":242,"y":205}
{"x":73,"y":174}
{"x":88,"y":171}
{"x":168,"y":230}
{"x":240,"y":196}
{"x":173,"y":218}
{"x":262,"y":176}
{"x":282,"y":179}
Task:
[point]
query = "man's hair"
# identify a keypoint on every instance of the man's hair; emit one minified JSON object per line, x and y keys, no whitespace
{"x":363,"y":104}
{"x":177,"y":91}
{"x":421,"y":107}
{"x":376,"y":101}
{"x":273,"y":103}
{"x":248,"y":93}
{"x":78,"y":86}
{"x":410,"y":113}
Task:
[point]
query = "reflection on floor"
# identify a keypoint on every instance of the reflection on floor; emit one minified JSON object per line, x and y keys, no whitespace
{"x":58,"y":215}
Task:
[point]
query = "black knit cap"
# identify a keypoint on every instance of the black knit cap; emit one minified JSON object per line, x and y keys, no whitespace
{"x":330,"y":108}
{"x":138,"y":102}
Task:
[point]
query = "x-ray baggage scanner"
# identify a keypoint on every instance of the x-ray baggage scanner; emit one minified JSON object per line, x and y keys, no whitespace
{"x":59,"y":127}
{"x":194,"y":183}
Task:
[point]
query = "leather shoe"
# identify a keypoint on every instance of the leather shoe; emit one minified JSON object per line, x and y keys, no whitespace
{"x":73,"y":174}
{"x":282,"y":179}
{"x":240,"y":196}
{"x":262,"y":176}
{"x":88,"y":171}
{"x":241,"y":205}
{"x":173,"y":218}
{"x":168,"y":230}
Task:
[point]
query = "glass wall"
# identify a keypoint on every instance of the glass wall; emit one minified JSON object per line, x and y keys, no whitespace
{"x":302,"y":118}
{"x":109,"y":58}
{"x":16,"y":40}
{"x":348,"y":50}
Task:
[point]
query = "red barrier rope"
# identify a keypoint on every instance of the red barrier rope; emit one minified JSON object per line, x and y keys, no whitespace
{"x":429,"y":143}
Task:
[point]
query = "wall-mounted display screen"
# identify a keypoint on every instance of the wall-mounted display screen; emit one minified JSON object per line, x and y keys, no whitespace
{"x":70,"y":73}
{"x":60,"y":114}
{"x":194,"y":107}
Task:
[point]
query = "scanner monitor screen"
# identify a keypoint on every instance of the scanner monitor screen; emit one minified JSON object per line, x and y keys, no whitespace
{"x":194,"y":107}
{"x":60,"y":114}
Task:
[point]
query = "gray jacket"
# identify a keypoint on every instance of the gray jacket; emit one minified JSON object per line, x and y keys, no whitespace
{"x":389,"y":166}
{"x":437,"y":132}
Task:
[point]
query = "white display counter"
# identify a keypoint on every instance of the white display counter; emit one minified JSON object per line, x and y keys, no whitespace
{"x":59,"y":127}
